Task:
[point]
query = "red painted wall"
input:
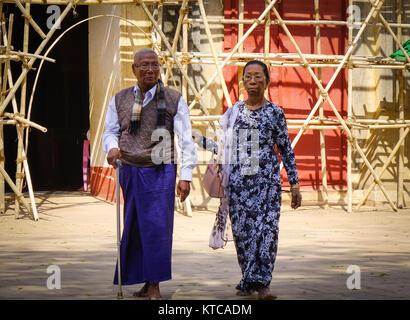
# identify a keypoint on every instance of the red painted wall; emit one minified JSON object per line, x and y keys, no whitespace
{"x":293,"y":88}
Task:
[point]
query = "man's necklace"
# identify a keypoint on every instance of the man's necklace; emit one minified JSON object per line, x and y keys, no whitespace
{"x":249,"y":119}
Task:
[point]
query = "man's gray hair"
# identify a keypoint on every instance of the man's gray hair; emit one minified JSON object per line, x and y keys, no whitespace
{"x":142,"y":51}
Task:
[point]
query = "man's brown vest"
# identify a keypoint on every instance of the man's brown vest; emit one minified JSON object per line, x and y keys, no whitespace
{"x":136,"y":149}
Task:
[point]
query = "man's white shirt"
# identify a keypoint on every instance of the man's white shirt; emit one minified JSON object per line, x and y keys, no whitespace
{"x":182,"y":128}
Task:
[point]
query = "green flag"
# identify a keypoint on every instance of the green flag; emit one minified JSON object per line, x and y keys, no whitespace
{"x":399,"y":55}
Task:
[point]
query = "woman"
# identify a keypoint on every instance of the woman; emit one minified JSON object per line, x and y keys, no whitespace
{"x":251,"y":178}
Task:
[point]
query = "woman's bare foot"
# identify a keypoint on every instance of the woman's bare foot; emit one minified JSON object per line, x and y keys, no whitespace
{"x":243,"y":293}
{"x":143,"y":292}
{"x":153,"y":292}
{"x":265,"y":294}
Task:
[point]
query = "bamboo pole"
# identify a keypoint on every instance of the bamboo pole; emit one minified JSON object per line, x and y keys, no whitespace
{"x":296,"y":22}
{"x":283,"y":55}
{"x":24,"y":121}
{"x":20,"y":128}
{"x":325,"y":195}
{"x":241,"y":14}
{"x":349,"y":115}
{"x":18,"y":194}
{"x":386,"y":164}
{"x":2,"y":159}
{"x":9,"y":122}
{"x":17,"y":56}
{"x":182,"y":12}
{"x":184,"y":51}
{"x":361,"y":123}
{"x":194,"y":58}
{"x":99,"y":2}
{"x":400,"y":162}
{"x":266,"y":44}
{"x":7,"y":36}
{"x":211,"y":45}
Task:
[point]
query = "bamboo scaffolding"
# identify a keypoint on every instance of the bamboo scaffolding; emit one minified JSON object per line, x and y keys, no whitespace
{"x":324,"y":92}
{"x":21,"y":157}
{"x":257,"y":22}
{"x":166,"y":43}
{"x":211,"y":45}
{"x":2,"y":122}
{"x":386,"y":164}
{"x":27,"y":16}
{"x":236,"y":57}
{"x":18,"y":116}
{"x":33,"y":59}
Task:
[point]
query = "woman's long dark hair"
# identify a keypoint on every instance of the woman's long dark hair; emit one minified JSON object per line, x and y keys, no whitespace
{"x":264,"y":67}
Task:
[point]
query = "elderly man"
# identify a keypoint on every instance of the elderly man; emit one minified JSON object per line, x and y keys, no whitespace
{"x":139,"y":130}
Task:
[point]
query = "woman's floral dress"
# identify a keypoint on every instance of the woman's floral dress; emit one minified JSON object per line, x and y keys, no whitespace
{"x":255,"y":192}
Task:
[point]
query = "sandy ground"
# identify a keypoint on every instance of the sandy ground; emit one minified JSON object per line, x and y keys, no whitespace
{"x":77,"y":233}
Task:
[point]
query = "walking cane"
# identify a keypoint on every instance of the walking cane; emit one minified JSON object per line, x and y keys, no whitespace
{"x":118,"y":200}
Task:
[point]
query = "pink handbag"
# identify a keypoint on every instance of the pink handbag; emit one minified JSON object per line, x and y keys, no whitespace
{"x":212,"y":180}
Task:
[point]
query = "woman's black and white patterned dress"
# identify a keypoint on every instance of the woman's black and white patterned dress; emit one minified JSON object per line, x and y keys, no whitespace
{"x":255,"y":196}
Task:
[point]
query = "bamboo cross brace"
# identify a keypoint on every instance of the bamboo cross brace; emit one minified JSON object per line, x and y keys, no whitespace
{"x":33,"y":59}
{"x":7,"y":41}
{"x":324,"y":92}
{"x":386,"y":24}
{"x":257,"y":22}
{"x":18,"y":56}
{"x":29,"y":185}
{"x":322,"y":141}
{"x":19,"y":195}
{"x":211,"y":44}
{"x":386,"y":164}
{"x":25,"y":121}
{"x":27,"y":16}
{"x":7,"y":63}
{"x":165,"y":40}
{"x":177,"y":33}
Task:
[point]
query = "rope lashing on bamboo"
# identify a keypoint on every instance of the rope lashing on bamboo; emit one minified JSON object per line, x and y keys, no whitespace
{"x":324,"y":94}
{"x":20,"y":175}
{"x":29,"y":18}
{"x":183,"y":11}
{"x":24,"y":121}
{"x":25,"y":65}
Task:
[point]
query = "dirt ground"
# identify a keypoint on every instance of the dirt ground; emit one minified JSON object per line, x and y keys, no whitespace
{"x":77,"y":233}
